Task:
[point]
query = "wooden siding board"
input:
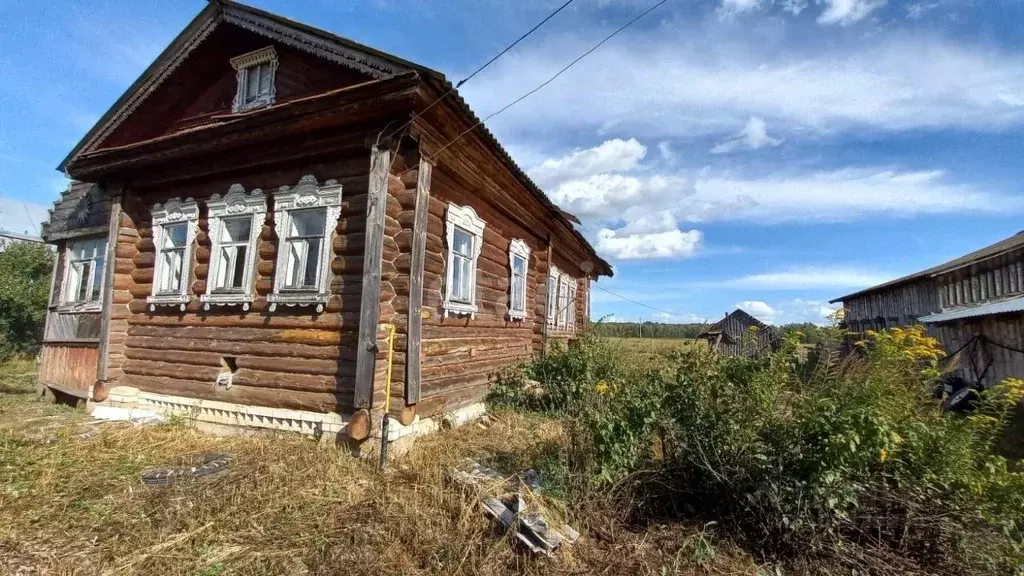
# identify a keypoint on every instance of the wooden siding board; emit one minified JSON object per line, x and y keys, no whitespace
{"x":369,"y":314}
{"x":419,"y":245}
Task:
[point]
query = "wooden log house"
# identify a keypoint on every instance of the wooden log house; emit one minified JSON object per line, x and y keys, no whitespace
{"x":263,"y":201}
{"x":974,"y":306}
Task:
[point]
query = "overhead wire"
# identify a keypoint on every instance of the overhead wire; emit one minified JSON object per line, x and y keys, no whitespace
{"x":637,"y":302}
{"x":434,"y":156}
{"x":481,"y":68}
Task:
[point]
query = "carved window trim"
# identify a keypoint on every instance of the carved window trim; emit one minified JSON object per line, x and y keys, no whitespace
{"x":517,"y":250}
{"x":174,"y":211}
{"x":235,"y":204}
{"x":570,"y":308}
{"x":245,"y":65}
{"x":552,"y":295}
{"x":563,"y":300}
{"x":466,"y":219}
{"x":308,"y":194}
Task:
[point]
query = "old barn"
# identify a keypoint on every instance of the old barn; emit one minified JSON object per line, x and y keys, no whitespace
{"x":257,"y":209}
{"x":973,"y":304}
{"x":740,"y":334}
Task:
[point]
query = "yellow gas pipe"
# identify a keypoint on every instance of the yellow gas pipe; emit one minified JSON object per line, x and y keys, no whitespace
{"x":387,"y":398}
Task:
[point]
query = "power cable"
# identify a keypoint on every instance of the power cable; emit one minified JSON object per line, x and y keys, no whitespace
{"x":549,"y":80}
{"x":481,"y":68}
{"x":599,"y":287}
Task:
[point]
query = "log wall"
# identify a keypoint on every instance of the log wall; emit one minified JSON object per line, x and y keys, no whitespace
{"x":291,"y":358}
{"x":462,"y":356}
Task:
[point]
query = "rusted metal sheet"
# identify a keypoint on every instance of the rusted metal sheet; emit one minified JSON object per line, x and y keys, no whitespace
{"x":69,"y":367}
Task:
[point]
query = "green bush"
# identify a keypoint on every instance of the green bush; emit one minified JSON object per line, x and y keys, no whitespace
{"x":25,"y":270}
{"x":846,"y":457}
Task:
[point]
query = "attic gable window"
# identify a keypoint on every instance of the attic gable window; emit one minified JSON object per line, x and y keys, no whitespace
{"x":235,"y":224}
{"x":174,"y":231}
{"x":304,"y":218}
{"x":255,"y":72}
{"x":518,"y":262}
{"x":465,"y":235}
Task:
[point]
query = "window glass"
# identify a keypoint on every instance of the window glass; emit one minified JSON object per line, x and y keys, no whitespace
{"x":236,"y":229}
{"x":519,"y":283}
{"x":264,"y":79}
{"x":463,"y":242}
{"x":304,"y":244}
{"x":174,"y":235}
{"x":252,"y":83}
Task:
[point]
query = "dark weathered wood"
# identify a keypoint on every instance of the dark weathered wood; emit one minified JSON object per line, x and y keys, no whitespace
{"x":369,"y":310}
{"x":415,"y":321}
{"x":108,"y":281}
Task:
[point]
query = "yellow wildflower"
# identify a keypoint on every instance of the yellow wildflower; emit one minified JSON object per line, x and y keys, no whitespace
{"x":602,"y":387}
{"x":883,"y":455}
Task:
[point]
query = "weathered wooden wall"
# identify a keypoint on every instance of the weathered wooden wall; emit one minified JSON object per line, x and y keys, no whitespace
{"x":290,"y":358}
{"x":1006,"y":330}
{"x":991,"y":279}
{"x":69,"y":367}
{"x":749,"y":337}
{"x":897,"y":306}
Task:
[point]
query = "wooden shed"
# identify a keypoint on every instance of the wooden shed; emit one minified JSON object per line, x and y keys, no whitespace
{"x":740,"y":334}
{"x":973,"y":304}
{"x":263,"y":202}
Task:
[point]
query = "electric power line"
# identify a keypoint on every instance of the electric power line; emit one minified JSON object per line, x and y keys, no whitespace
{"x":599,"y":287}
{"x":549,"y":80}
{"x":481,"y":68}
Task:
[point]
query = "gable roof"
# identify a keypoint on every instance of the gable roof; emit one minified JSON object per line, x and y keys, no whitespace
{"x":739,"y":315}
{"x":990,"y":251}
{"x":376,"y":63}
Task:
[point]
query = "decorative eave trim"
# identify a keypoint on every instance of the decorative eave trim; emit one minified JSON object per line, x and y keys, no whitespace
{"x":147,"y":88}
{"x":368,"y":64}
{"x":235,"y":203}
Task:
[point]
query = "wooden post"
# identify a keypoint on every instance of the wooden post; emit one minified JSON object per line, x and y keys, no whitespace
{"x":419,"y":247}
{"x":108,"y":281}
{"x":369,"y":308}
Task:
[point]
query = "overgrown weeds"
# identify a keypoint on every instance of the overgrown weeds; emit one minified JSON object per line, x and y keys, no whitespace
{"x":848,"y":462}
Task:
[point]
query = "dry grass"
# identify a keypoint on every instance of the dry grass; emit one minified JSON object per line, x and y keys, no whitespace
{"x":71,"y":502}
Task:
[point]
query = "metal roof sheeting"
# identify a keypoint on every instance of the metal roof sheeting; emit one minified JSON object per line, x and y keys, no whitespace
{"x":1002,"y":307}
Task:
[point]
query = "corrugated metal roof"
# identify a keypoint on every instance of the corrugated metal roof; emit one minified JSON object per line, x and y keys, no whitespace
{"x":1002,"y":307}
{"x":1011,"y":243}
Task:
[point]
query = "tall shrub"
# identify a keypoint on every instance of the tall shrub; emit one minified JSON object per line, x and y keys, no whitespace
{"x":25,"y":270}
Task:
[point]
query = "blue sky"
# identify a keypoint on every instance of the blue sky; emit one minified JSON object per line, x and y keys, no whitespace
{"x":772,"y":154}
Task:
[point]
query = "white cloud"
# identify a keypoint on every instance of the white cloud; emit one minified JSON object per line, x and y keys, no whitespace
{"x":732,"y":7}
{"x":806,"y":278}
{"x":794,"y":7}
{"x":845,"y":12}
{"x":666,"y":151}
{"x":709,"y":84}
{"x":670,"y":244}
{"x":789,"y":311}
{"x":753,"y":137}
{"x":644,"y":201}
{"x":758,"y":309}
{"x":614,"y":155}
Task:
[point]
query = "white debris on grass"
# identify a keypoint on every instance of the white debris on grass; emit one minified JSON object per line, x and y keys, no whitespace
{"x":118,"y":414}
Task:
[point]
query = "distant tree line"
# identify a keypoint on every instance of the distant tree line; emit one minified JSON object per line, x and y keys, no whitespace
{"x":812,"y":333}
{"x":650,"y":330}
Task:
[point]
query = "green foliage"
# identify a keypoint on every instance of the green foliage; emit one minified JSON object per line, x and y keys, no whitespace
{"x":795,"y":461}
{"x":25,"y":270}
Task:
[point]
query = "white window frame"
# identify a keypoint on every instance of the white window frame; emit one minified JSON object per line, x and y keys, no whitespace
{"x":465,"y":218}
{"x":235,"y":204}
{"x":174,"y":211}
{"x":308,"y":194}
{"x":68,"y":303}
{"x":563,"y":301}
{"x":552,"y":295}
{"x":245,"y":65}
{"x":517,"y":249}
{"x":570,"y":322}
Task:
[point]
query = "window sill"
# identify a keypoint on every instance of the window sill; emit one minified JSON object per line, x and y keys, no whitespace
{"x":80,"y":308}
{"x":226,"y":299}
{"x":460,"y":309}
{"x":180,"y":301}
{"x":318,"y":299}
{"x":261,"y":102}
{"x":517,"y":315}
